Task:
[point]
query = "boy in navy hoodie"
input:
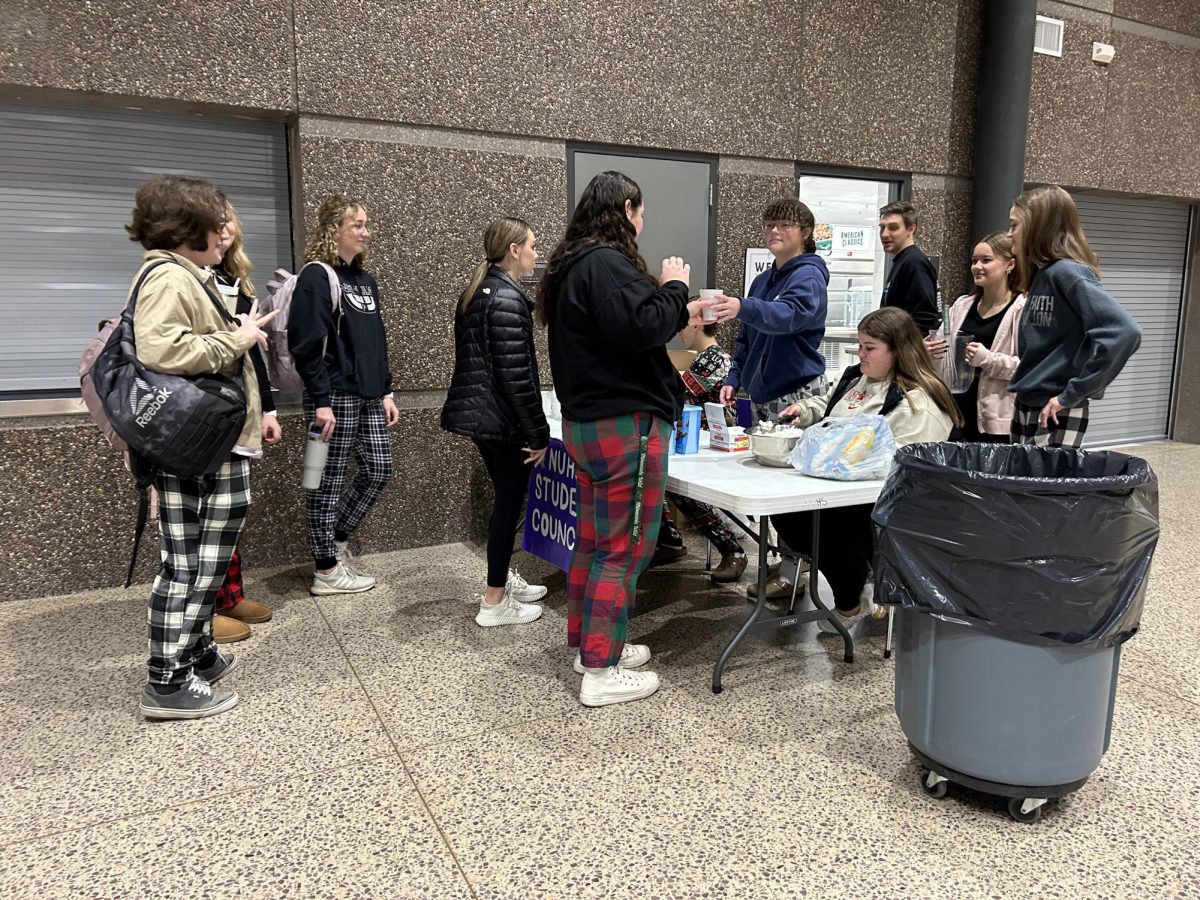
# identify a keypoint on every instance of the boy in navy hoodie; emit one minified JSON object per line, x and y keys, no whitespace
{"x":777,"y":357}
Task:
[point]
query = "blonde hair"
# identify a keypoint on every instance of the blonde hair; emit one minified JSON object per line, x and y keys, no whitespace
{"x":912,"y":367}
{"x":497,"y":238}
{"x":236,"y":262}
{"x":331,"y":216}
{"x":1050,"y":231}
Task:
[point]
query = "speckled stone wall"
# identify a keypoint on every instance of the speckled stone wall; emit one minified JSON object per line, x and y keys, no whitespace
{"x":221,"y":51}
{"x":428,"y":207}
{"x":888,"y":88}
{"x":655,"y":73}
{"x":68,"y":508}
{"x":945,"y":203}
{"x":1129,"y":126}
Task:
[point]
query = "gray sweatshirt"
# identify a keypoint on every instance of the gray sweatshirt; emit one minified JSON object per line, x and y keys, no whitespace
{"x":1074,"y":337}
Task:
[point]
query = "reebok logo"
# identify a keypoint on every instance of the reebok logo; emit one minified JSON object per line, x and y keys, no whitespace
{"x":145,"y":401}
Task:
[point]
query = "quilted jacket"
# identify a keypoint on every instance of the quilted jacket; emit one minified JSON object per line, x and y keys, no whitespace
{"x":495,"y":394}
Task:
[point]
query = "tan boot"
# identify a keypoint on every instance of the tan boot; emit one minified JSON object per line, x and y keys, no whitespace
{"x":229,"y":631}
{"x":249,"y":611}
{"x":731,"y":568}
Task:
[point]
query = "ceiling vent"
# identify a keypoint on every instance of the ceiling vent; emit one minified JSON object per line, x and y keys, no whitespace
{"x":1048,"y":36}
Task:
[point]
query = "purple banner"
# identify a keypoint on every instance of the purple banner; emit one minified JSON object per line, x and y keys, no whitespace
{"x":551,"y":512}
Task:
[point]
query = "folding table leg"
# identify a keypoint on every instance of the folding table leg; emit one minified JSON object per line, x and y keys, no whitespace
{"x":759,"y":604}
{"x":887,"y":644}
{"x":847,"y":641}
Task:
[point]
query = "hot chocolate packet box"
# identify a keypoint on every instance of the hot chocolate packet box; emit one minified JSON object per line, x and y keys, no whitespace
{"x":722,"y":436}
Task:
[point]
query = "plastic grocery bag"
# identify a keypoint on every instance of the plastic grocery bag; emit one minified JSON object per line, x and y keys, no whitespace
{"x":851,"y":448}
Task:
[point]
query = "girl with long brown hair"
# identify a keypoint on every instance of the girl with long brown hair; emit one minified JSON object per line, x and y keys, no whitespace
{"x":495,"y":400}
{"x":1074,"y":337}
{"x":989,"y":313}
{"x":609,"y":322}
{"x":894,"y":378}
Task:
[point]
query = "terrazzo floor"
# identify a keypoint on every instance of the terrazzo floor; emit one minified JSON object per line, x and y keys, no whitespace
{"x":386,"y":746}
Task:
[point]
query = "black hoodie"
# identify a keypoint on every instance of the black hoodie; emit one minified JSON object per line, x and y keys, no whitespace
{"x":355,"y":342}
{"x":608,"y":337}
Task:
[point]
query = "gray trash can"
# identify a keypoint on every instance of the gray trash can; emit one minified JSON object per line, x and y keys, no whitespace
{"x":1019,"y":571}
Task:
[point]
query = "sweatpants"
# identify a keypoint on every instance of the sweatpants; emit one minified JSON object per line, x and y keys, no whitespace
{"x":1069,"y":432}
{"x":607,"y":559}
{"x":199,"y":522}
{"x":509,"y":473}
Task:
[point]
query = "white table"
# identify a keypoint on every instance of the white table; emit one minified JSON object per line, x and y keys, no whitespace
{"x":737,"y":483}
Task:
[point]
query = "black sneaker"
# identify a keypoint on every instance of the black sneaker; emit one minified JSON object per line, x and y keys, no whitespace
{"x":194,"y":699}
{"x":222,"y":665}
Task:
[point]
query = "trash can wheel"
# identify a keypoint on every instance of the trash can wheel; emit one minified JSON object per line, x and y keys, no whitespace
{"x":1018,"y":808}
{"x":934,"y":784}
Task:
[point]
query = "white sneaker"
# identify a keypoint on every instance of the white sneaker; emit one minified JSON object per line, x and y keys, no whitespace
{"x":342,"y":580}
{"x":867,"y":608}
{"x":615,"y":685}
{"x":522,"y":589}
{"x":343,"y":554}
{"x":632,"y":656}
{"x":508,"y":611}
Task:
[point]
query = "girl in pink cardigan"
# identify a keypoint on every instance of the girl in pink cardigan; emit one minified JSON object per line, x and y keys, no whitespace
{"x":990,"y":313}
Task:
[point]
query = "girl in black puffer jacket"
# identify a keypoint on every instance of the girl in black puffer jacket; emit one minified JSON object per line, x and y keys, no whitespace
{"x":495,"y":400}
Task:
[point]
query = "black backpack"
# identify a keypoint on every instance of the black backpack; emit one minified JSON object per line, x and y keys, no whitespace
{"x":184,"y":426}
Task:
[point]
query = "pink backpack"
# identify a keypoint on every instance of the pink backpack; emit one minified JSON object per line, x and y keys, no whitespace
{"x":280,"y":364}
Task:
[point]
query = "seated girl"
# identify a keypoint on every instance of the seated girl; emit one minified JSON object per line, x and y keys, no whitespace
{"x":894,"y":378}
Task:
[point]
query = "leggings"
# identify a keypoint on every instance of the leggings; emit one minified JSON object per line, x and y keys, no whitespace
{"x":846,"y":546}
{"x":510,"y":479}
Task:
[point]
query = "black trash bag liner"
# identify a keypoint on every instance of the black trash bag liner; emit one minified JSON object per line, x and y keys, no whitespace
{"x":1040,"y":545}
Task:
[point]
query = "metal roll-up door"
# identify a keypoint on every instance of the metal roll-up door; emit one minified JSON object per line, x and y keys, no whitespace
{"x":68,"y":175}
{"x":1142,"y":246}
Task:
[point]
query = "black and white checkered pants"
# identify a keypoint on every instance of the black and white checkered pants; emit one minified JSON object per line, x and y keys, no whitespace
{"x":1072,"y":423}
{"x":199,"y":520}
{"x":361,"y":431}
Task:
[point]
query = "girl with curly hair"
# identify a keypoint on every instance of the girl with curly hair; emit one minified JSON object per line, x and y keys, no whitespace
{"x":339,"y":345}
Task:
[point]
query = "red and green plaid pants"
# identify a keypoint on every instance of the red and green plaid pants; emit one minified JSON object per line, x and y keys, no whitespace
{"x":607,"y":561}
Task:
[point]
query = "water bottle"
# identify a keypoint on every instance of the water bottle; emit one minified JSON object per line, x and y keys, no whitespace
{"x":316,"y":451}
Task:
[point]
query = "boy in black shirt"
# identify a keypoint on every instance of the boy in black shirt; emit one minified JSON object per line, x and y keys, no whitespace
{"x":912,"y":284}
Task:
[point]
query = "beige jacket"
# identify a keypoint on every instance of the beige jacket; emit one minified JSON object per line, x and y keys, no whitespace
{"x":179,"y":331}
{"x":996,"y":366}
{"x":916,"y":418}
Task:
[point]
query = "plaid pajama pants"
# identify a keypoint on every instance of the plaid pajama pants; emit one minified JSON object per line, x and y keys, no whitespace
{"x":1072,"y":423}
{"x":362,"y":431}
{"x":233,"y":591}
{"x":199,"y":522}
{"x":607,"y":562}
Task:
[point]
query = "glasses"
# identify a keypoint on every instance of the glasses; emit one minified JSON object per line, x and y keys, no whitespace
{"x":768,"y":227}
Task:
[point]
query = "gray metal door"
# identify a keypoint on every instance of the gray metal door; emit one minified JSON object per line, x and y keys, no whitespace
{"x":677,"y":194}
{"x":1142,"y":246}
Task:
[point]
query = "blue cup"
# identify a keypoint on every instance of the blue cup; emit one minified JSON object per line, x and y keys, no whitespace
{"x":687,"y":435}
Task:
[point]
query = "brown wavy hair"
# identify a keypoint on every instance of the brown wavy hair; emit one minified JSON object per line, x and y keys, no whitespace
{"x":170,"y":211}
{"x":236,"y":263}
{"x":1002,"y":246}
{"x":789,"y":209}
{"x":913,"y":366}
{"x":331,"y":216}
{"x":1050,"y":231}
{"x":598,"y":219}
{"x":497,"y":238}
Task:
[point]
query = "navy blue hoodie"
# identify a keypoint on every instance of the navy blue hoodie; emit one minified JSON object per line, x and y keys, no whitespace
{"x":783,"y":324}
